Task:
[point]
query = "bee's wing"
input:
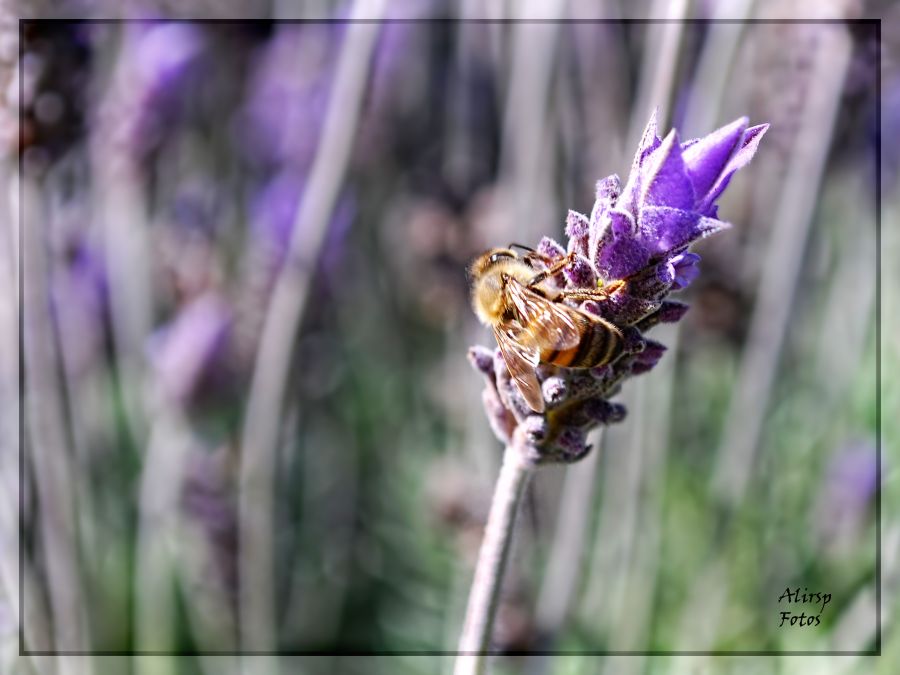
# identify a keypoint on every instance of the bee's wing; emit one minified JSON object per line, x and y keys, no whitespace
{"x":551,"y":325}
{"x":521,"y":362}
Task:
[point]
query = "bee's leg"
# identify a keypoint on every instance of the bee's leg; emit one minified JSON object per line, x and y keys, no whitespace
{"x":554,"y":268}
{"x":583,"y":294}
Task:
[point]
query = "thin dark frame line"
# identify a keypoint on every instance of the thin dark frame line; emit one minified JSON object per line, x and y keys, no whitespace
{"x":878,"y":440}
{"x":877,"y":23}
{"x":660,"y":652}
{"x":502,"y":21}
{"x":21,"y":338}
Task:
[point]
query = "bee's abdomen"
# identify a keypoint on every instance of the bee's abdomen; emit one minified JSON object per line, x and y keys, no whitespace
{"x":599,"y":345}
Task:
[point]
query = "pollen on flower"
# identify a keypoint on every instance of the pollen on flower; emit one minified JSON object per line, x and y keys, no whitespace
{"x":639,"y":233}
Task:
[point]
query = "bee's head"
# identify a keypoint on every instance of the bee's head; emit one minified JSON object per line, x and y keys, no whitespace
{"x":483,"y":263}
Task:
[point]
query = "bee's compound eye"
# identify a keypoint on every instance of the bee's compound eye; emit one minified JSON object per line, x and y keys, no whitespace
{"x":497,"y":257}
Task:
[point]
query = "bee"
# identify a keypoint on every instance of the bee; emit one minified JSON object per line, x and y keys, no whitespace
{"x":531,"y":322}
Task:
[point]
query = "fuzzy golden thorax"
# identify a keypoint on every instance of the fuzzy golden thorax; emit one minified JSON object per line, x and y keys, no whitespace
{"x":486,"y":274}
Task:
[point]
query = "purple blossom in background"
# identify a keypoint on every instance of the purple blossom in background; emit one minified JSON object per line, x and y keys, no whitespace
{"x":639,"y":233}
{"x":274,"y":210}
{"x":287,"y":99}
{"x":184,"y":351}
{"x":273,"y":213}
{"x":80,"y":300}
{"x":848,"y":490}
{"x":163,"y":55}
{"x":150,"y":84}
{"x":890,"y":128}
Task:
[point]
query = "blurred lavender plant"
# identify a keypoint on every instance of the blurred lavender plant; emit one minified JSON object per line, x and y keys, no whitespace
{"x":287,"y":96}
{"x":639,"y":233}
{"x":151,"y":81}
{"x":846,"y":495}
{"x":184,"y":351}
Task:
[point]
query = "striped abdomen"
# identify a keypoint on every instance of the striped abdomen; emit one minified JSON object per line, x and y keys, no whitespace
{"x":601,"y":342}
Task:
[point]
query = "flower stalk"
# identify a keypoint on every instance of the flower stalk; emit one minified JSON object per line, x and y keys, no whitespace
{"x":484,"y":596}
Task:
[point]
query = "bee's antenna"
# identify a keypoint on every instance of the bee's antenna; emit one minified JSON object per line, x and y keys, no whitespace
{"x":523,"y":247}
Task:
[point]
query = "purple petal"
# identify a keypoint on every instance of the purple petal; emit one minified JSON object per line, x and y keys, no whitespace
{"x":625,"y":309}
{"x":665,"y":272}
{"x":664,"y":228}
{"x":499,"y":417}
{"x":608,"y":189}
{"x":580,"y":274}
{"x":648,"y":358}
{"x":706,"y":158}
{"x":535,"y":428}
{"x":652,"y":353}
{"x":669,"y":312}
{"x":619,"y":257}
{"x":638,"y":368}
{"x":708,"y":226}
{"x":550,"y":248}
{"x":665,"y":179}
{"x":600,"y":411}
{"x":607,"y":195}
{"x":578,"y":232}
{"x":749,"y":145}
{"x":649,"y":141}
{"x":684,"y":269}
{"x":572,"y":445}
{"x":554,"y":390}
{"x":622,"y":224}
{"x":482,"y":359}
{"x":684,"y":277}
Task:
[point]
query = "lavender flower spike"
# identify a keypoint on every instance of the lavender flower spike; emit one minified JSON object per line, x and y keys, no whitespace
{"x":619,"y":265}
{"x":638,"y":233}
